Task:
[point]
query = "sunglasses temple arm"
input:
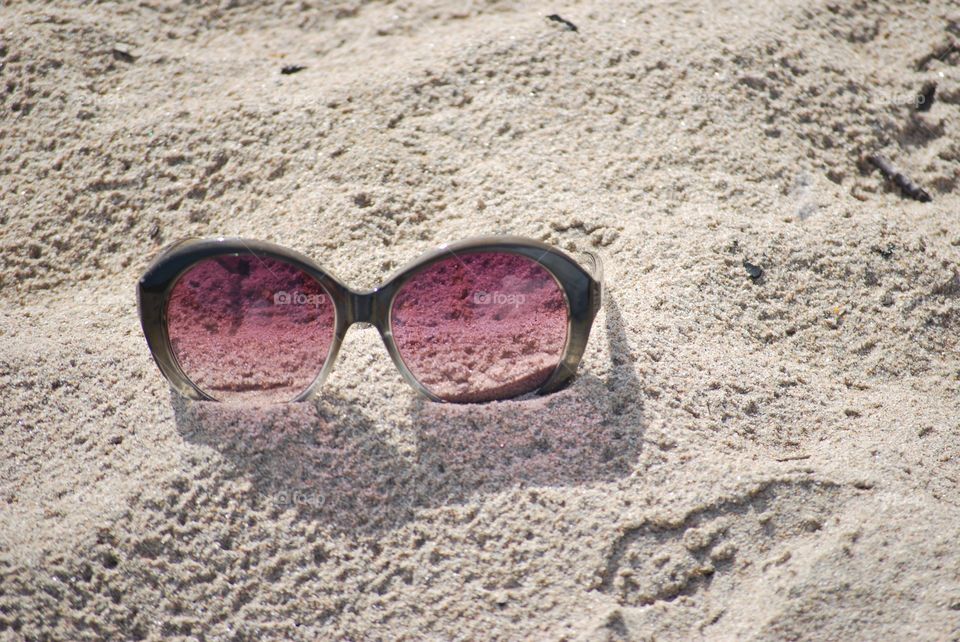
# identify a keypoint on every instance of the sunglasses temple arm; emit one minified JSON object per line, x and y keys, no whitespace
{"x":595,"y":268}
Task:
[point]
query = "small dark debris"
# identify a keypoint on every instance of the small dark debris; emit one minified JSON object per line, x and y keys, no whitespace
{"x":154,"y":230}
{"x":122,"y":53}
{"x":566,"y":23}
{"x":925,"y":98}
{"x":362,"y":200}
{"x":885,"y":252}
{"x":907,"y":186}
{"x":291,"y":69}
{"x":753,"y":271}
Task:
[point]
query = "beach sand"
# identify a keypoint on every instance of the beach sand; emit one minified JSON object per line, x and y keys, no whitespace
{"x":774,"y":456}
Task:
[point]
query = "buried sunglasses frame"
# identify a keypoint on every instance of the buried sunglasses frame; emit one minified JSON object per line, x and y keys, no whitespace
{"x":582,"y":288}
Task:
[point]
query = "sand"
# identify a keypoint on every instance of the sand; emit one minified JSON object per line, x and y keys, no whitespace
{"x":741,"y":458}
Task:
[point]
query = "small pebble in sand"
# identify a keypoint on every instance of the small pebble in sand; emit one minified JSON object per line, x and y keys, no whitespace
{"x":753,"y":271}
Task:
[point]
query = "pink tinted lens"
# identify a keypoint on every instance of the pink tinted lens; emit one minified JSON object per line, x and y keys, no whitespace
{"x":250,"y":328}
{"x":480,"y":326}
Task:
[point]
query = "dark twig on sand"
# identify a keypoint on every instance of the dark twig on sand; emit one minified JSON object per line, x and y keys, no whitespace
{"x":907,"y":186}
{"x":291,"y":69}
{"x":566,"y":23}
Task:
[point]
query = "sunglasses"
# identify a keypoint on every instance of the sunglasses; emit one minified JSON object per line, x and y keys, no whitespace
{"x":230,"y":319}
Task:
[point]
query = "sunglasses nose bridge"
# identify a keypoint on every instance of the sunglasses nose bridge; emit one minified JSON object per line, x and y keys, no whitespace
{"x":360,"y":307}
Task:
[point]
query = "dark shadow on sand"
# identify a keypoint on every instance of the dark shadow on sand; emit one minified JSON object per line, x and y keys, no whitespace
{"x":331,"y":462}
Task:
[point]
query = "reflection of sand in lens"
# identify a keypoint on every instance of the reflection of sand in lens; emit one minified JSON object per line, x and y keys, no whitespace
{"x":235,"y":342}
{"x":481,"y":326}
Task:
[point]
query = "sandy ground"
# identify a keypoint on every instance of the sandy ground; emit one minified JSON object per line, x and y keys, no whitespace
{"x":769,"y":458}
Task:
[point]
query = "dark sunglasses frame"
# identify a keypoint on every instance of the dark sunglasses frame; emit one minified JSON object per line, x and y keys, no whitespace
{"x":581,"y":286}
